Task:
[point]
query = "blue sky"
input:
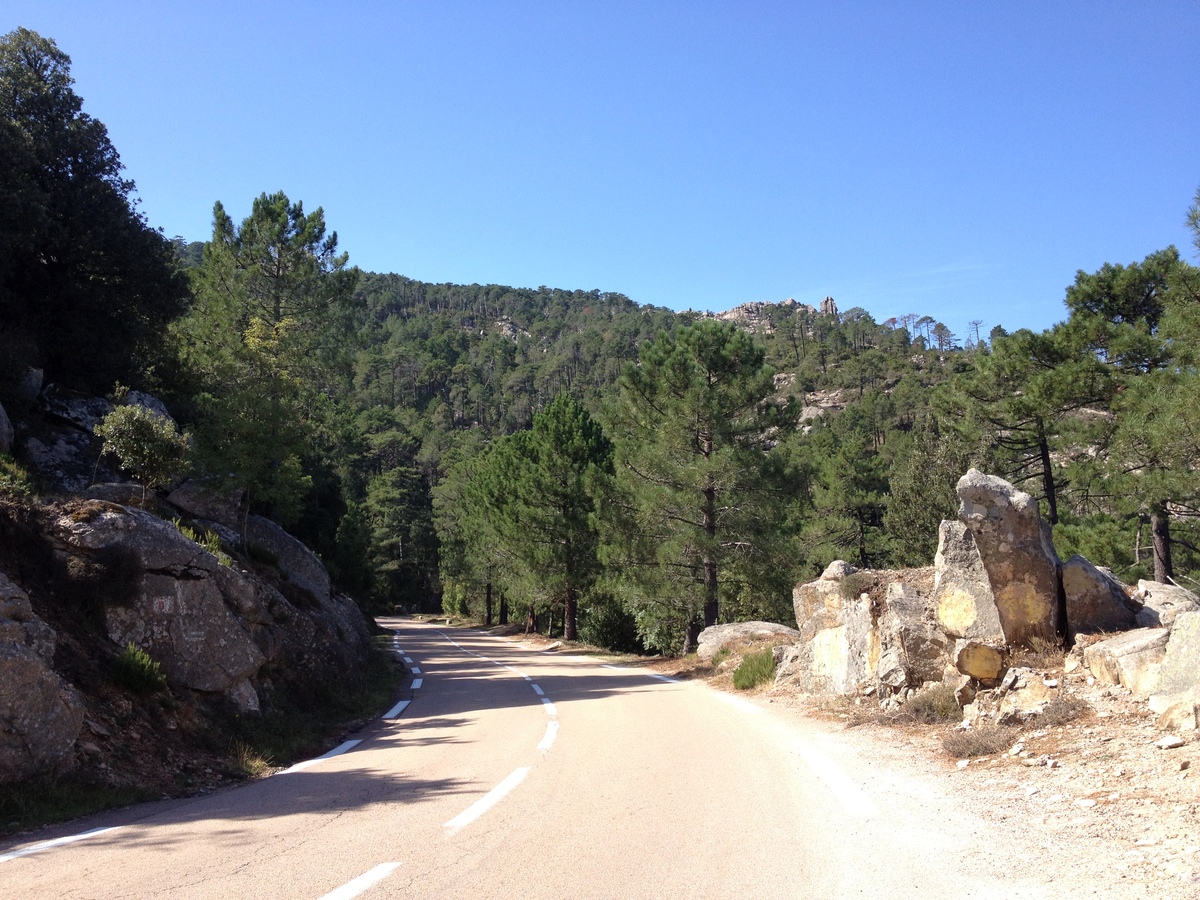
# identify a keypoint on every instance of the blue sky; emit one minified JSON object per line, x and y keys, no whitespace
{"x":960,"y":160}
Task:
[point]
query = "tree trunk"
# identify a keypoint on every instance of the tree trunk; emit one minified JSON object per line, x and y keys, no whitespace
{"x":691,"y":633}
{"x":570,"y":609}
{"x":530,"y":621}
{"x":1160,"y":529}
{"x":503,"y":609}
{"x":487,"y":605}
{"x":1047,"y":476}
{"x":710,"y":530}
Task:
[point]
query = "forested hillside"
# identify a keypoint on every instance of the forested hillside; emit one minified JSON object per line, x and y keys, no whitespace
{"x":570,"y":457}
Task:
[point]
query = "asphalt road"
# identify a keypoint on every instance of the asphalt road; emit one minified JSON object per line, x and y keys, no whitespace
{"x":513,"y":773}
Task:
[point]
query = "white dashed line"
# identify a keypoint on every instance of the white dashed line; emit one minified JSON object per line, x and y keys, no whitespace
{"x":550,"y":710}
{"x":853,"y":799}
{"x":526,"y":677}
{"x":394,"y":712}
{"x":417,"y":682}
{"x":488,"y":800}
{"x":362,"y":882}
{"x":57,"y":842}
{"x":336,"y":751}
{"x":537,"y":689}
{"x":416,"y":670}
{"x":408,"y":660}
{"x":551,"y":734}
{"x":662,"y":678}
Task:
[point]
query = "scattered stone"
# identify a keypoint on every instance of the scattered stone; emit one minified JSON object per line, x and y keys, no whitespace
{"x":1179,"y":716}
{"x":1018,"y":554}
{"x":980,"y":661}
{"x":963,"y":763}
{"x":1085,"y":802}
{"x":1169,"y":742}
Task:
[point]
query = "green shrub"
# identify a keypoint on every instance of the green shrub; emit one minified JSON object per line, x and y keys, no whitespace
{"x":15,"y":480}
{"x":935,"y":703}
{"x":135,"y":670}
{"x":754,"y":669}
{"x":145,"y":443}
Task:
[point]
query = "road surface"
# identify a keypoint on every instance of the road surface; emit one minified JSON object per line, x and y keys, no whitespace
{"x":512,"y":773}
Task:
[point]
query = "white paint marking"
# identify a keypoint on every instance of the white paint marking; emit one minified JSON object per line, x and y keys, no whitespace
{"x":362,"y":882}
{"x":336,"y":751}
{"x":538,"y":690}
{"x":550,"y":710}
{"x":488,"y":800}
{"x":510,"y":668}
{"x":617,"y":668}
{"x":408,"y":660}
{"x":394,"y":712}
{"x":417,"y":682}
{"x":416,"y":670}
{"x":744,"y":705}
{"x":526,"y":677}
{"x":551,"y":734}
{"x":578,"y":659}
{"x":57,"y":842}
{"x":853,"y":799}
{"x":663,"y":678}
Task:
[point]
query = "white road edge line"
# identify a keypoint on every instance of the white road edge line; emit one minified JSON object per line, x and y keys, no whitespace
{"x":551,"y":734}
{"x":745,"y":705}
{"x":664,"y":678}
{"x":618,"y":668}
{"x":57,"y":842}
{"x":853,"y":799}
{"x":488,"y":800}
{"x":526,"y":677}
{"x":394,"y":712}
{"x":416,"y":670}
{"x":550,"y":710}
{"x":417,"y":682}
{"x":336,"y":751}
{"x":362,"y":882}
{"x":537,"y":689}
{"x":408,"y":660}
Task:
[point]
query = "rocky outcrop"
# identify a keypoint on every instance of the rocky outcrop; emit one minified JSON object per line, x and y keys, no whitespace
{"x":913,"y":650}
{"x":1132,"y":660}
{"x":40,"y":714}
{"x":211,"y":627}
{"x":962,"y":594}
{"x":838,"y":650}
{"x":1094,"y":600}
{"x":1018,"y":554}
{"x":982,"y":662}
{"x":715,"y":637}
{"x":1162,"y":603}
{"x":299,"y":565}
{"x":207,"y":501}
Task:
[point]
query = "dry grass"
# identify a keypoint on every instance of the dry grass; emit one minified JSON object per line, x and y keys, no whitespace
{"x":982,"y":741}
{"x":1063,"y":709}
{"x":1041,"y":654}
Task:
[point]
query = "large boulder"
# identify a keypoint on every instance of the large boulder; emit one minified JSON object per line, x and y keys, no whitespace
{"x":1179,"y":676}
{"x":40,"y":715}
{"x":1018,"y":554}
{"x":715,"y":637}
{"x":838,"y":650}
{"x":1095,"y":601}
{"x":1161,"y":603}
{"x":962,"y":594}
{"x":299,"y":565}
{"x":912,"y":649}
{"x":208,"y":500}
{"x":1132,"y":660}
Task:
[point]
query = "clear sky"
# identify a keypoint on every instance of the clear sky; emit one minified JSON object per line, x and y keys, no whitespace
{"x":960,"y":159}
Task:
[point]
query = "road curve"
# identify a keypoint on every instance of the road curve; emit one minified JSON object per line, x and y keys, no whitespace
{"x":512,"y":773}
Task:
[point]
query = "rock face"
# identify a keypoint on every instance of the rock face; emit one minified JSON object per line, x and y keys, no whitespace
{"x":40,"y":715}
{"x":912,"y":649}
{"x":211,"y":627}
{"x":1132,"y":660}
{"x":715,"y":637}
{"x":1094,"y":600}
{"x":962,"y":594}
{"x":980,"y":661}
{"x":1162,"y":603}
{"x":207,"y":501}
{"x":1018,"y":555}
